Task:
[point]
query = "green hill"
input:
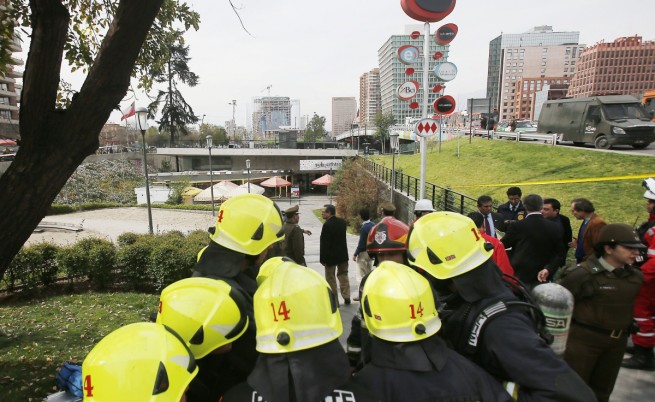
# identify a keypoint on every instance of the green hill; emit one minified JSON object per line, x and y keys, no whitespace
{"x":489,"y":167}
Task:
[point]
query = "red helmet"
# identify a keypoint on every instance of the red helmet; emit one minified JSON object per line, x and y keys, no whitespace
{"x":388,"y":235}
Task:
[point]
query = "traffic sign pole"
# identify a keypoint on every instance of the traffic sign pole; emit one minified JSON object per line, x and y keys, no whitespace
{"x":426,"y":92}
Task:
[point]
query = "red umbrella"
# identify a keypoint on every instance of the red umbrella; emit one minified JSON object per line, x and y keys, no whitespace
{"x":275,"y":181}
{"x":6,"y":142}
{"x":324,"y":180}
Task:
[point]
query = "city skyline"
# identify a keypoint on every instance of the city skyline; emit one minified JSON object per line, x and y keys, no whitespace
{"x":314,"y":54}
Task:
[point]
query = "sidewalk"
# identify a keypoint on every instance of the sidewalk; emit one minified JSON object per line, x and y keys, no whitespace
{"x":631,"y":385}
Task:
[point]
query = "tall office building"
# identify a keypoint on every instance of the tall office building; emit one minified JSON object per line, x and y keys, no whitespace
{"x":270,"y":112}
{"x":344,"y":111}
{"x":625,"y":66}
{"x":526,"y":89}
{"x":370,"y":98}
{"x":539,"y":52}
{"x":10,"y":87}
{"x":392,"y":74}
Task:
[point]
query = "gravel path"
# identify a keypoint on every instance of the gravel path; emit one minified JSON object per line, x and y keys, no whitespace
{"x":110,"y":223}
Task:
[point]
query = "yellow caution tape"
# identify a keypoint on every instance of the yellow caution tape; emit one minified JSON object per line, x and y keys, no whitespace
{"x":565,"y":181}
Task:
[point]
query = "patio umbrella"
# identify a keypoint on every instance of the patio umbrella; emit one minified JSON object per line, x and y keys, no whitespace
{"x":220,"y":189}
{"x":276,"y":181}
{"x":324,"y":180}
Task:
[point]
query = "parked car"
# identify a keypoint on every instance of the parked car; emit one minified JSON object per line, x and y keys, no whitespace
{"x":525,"y":126}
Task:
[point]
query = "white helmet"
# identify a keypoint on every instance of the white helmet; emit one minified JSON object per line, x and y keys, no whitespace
{"x":423,"y":205}
{"x":649,"y":185}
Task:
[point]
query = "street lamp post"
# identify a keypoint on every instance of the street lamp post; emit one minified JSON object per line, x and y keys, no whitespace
{"x":248,"y":167}
{"x":393,"y":143}
{"x":142,"y":121}
{"x":211,"y":172}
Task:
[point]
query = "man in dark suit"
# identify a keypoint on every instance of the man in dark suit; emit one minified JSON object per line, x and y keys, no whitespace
{"x":551,"y":211}
{"x":536,"y":244}
{"x":492,"y":221}
{"x":334,"y":252}
{"x":513,"y":209}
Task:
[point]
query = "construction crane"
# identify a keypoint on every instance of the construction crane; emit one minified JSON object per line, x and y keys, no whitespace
{"x":268,"y":88}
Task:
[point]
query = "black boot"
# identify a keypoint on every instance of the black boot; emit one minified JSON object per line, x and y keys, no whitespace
{"x":642,"y":359}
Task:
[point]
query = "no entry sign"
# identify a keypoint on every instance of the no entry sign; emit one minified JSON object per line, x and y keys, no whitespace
{"x":444,"y":105}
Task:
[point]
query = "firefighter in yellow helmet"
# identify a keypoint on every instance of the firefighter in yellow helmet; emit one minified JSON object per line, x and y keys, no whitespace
{"x":138,"y":362}
{"x":209,"y":315}
{"x":482,"y":317}
{"x":410,"y":362}
{"x":298,"y":329}
{"x":247,"y":227}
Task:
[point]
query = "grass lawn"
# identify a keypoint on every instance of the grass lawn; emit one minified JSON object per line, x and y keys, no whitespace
{"x":490,"y":166}
{"x":38,"y":335}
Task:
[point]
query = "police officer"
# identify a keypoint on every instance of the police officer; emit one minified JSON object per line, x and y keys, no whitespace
{"x":410,"y":362}
{"x":298,"y":329}
{"x":477,"y":318}
{"x":293,"y":245}
{"x":604,"y":286}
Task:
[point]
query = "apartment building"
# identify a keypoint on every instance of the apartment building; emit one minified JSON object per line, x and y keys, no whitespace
{"x":393,"y":73}
{"x":10,"y":88}
{"x":344,"y":111}
{"x":539,"y":52}
{"x":625,"y":66}
{"x":370,"y":98}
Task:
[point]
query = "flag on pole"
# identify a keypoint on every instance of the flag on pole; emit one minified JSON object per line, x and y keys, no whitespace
{"x":129,"y":112}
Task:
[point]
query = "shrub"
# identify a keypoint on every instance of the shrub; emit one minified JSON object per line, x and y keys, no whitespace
{"x":196,"y":240}
{"x":26,"y":269}
{"x":72,"y":261}
{"x":133,"y":261}
{"x":101,"y":263}
{"x":49,"y":269}
{"x":127,"y":238}
{"x":168,"y":264}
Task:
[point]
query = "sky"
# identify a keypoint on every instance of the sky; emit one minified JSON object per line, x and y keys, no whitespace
{"x":313,"y":51}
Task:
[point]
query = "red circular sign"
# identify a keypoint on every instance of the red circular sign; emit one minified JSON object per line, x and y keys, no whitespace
{"x":427,"y":10}
{"x":415,"y":35}
{"x":437,"y":88}
{"x":444,"y":105}
{"x":437,"y":55}
{"x":445,"y":34}
{"x":409,"y":71}
{"x":413,"y":105}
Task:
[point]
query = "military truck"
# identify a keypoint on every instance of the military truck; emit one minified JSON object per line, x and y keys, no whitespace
{"x":600,"y":120}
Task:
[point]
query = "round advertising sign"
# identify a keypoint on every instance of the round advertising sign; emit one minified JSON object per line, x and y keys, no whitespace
{"x":445,"y":105}
{"x":408,"y":54}
{"x":427,"y":10}
{"x":408,"y":90}
{"x":445,"y":34}
{"x":446,"y":71}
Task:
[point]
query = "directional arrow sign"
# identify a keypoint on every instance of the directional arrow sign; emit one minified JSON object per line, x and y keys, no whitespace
{"x":426,"y":127}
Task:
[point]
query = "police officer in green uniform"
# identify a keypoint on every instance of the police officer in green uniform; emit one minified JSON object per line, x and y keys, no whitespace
{"x":293,"y":245}
{"x":605,"y":287}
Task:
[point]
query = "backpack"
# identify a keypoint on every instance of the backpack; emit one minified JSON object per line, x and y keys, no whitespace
{"x":471,"y":324}
{"x":69,"y":378}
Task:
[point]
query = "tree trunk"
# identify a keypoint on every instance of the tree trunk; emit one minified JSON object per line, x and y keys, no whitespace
{"x":55,"y":142}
